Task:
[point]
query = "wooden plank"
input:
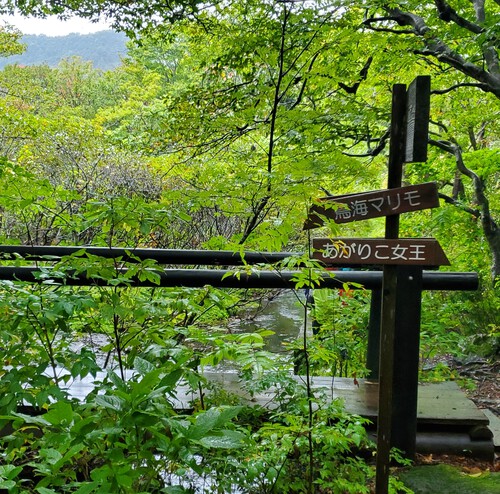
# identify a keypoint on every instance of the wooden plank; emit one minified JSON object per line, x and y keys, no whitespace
{"x":494,"y":426}
{"x":443,"y":403}
{"x":440,"y":403}
{"x":369,"y":251}
{"x":374,"y":204}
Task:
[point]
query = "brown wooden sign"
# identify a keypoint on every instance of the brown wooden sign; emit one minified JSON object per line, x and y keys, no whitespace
{"x":374,"y":204}
{"x":373,"y":251}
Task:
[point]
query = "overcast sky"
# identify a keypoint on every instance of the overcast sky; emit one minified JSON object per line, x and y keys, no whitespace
{"x":52,"y":26}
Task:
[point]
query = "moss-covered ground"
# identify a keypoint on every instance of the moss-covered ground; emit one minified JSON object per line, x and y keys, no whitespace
{"x":449,"y":479}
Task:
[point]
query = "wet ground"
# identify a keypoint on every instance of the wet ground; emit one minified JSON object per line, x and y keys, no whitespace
{"x":480,"y":379}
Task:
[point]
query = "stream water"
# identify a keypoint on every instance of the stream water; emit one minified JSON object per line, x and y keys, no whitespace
{"x":283,"y":314}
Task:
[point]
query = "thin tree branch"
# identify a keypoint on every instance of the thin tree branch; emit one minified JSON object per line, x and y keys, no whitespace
{"x":439,"y":124}
{"x":304,"y":83}
{"x":459,"y":204}
{"x":363,"y":73}
{"x":479,"y":85}
{"x":374,"y":20}
{"x":436,"y":47}
{"x":375,"y":151}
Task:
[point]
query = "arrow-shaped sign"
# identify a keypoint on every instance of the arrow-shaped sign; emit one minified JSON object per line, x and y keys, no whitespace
{"x":374,"y":251}
{"x":374,"y":204}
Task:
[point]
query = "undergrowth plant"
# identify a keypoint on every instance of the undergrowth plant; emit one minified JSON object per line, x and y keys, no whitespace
{"x":152,"y":423}
{"x":461,"y":323}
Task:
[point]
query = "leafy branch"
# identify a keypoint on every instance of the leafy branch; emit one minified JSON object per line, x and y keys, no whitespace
{"x":490,"y":227}
{"x":460,"y":85}
{"x":489,"y":77}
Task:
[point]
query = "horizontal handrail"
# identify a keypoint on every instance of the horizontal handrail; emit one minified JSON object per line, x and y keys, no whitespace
{"x":223,"y":278}
{"x":162,"y":256}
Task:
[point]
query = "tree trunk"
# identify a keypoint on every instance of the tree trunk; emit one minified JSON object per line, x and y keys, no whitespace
{"x":489,"y":226}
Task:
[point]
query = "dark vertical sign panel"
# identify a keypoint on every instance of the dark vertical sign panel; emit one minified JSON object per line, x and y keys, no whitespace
{"x":417,"y":119}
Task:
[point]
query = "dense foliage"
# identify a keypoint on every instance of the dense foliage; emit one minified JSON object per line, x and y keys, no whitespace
{"x":219,"y":131}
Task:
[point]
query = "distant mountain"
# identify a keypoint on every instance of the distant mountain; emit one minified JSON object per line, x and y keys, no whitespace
{"x":104,"y":49}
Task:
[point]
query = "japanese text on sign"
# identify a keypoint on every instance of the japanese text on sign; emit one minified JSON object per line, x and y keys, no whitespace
{"x":380,"y":251}
{"x":424,"y":252}
{"x":374,"y":204}
{"x":358,"y":208}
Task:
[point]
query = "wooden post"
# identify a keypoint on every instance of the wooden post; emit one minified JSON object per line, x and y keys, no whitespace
{"x":389,"y":289}
{"x":401,"y":291}
{"x":406,"y":360}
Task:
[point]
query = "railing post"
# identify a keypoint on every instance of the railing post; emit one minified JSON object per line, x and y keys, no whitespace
{"x":373,"y":345}
{"x":406,"y":360}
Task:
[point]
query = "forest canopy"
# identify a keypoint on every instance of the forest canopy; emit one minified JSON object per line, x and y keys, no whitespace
{"x":457,"y":45}
{"x":104,"y":49}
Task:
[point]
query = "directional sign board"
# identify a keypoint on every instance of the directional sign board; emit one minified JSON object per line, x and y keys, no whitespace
{"x":359,"y":251}
{"x":374,"y":204}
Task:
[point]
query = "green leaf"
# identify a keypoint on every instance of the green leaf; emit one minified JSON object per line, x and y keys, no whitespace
{"x":143,"y":366}
{"x":87,"y":488}
{"x":110,"y":402}
{"x":37,"y":420}
{"x":177,"y":489}
{"x":59,"y":413}
{"x":184,"y":216}
{"x":116,"y":380}
{"x":225,"y":439}
{"x":84,"y":426}
{"x":51,"y":455}
{"x":7,"y":484}
{"x":69,"y":455}
{"x":204,"y":422}
{"x":227,"y":413}
{"x":148,"y":383}
{"x":9,"y":471}
{"x":170,"y":380}
{"x":44,"y":490}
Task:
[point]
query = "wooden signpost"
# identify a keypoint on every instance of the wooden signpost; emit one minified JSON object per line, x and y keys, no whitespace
{"x":402,"y":261}
{"x":360,"y":251}
{"x":375,"y":204}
